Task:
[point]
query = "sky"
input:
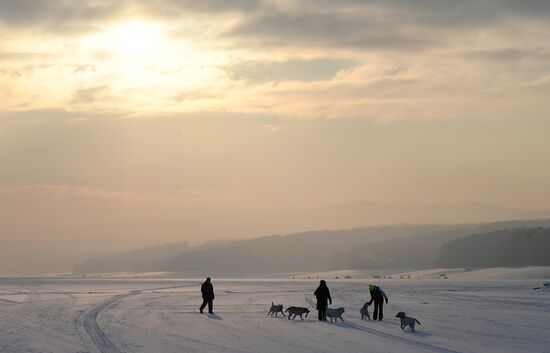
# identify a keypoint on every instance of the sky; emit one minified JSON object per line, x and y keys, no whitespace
{"x":183,"y":114}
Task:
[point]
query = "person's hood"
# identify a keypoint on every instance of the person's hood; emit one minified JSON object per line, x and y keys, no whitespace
{"x":372,"y":287}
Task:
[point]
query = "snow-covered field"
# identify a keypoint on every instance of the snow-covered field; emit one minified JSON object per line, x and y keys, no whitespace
{"x":156,"y":316}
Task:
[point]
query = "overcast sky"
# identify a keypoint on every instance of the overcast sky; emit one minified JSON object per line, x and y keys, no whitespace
{"x":119,"y":111}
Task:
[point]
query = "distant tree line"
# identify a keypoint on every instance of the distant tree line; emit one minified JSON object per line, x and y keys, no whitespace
{"x":399,"y":247}
{"x":501,"y":248}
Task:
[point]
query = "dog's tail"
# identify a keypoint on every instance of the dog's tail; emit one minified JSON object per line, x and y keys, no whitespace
{"x":418,"y":322}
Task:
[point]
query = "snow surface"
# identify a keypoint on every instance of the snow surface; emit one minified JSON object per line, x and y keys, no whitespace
{"x":157,"y":316}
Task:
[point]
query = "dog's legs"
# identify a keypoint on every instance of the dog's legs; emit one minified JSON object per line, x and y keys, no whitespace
{"x":301,"y":318}
{"x":341,"y":318}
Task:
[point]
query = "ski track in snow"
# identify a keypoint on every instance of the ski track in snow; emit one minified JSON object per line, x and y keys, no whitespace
{"x":88,"y":320}
{"x":96,"y":334}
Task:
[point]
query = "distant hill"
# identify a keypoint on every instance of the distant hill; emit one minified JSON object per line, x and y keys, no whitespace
{"x":58,"y":234}
{"x":297,"y":252}
{"x":500,"y":248}
{"x":384,"y":247}
{"x":405,"y":253}
{"x":306,"y":250}
{"x":141,"y":260}
{"x":417,"y":252}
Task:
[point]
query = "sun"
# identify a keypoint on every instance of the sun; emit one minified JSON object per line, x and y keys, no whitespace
{"x":135,"y":41}
{"x":131,"y":51}
{"x":146,"y":63}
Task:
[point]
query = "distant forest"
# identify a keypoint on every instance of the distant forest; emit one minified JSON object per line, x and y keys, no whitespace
{"x":397,"y":247}
{"x":501,"y":248}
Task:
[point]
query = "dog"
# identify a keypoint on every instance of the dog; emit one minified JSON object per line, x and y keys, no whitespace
{"x":407,"y":321}
{"x":365,"y":311}
{"x":335,"y":313}
{"x":296,"y":311}
{"x":276,"y":309}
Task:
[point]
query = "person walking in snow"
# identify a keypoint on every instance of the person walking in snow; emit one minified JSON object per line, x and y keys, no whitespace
{"x":323,"y":298}
{"x":378,"y":296}
{"x":207,"y":291}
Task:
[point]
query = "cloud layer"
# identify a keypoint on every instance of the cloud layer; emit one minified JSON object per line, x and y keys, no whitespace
{"x":395,"y":59}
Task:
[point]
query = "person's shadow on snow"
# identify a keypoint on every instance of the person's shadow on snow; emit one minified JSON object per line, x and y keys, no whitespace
{"x":215,"y":317}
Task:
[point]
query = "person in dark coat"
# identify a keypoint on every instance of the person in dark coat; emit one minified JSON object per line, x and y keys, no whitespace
{"x":378,"y":296}
{"x":323,"y":298}
{"x":207,"y":295}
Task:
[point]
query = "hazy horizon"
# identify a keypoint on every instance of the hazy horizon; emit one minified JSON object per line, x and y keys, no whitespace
{"x":127,"y":124}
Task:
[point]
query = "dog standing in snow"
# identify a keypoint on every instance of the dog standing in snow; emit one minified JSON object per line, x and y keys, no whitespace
{"x":365,"y":311}
{"x":296,"y":311}
{"x":407,"y":321}
{"x":276,"y":309}
{"x":335,"y":313}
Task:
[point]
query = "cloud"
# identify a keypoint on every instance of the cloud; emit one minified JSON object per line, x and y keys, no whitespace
{"x":206,"y":6}
{"x":90,"y":94}
{"x":279,"y":57}
{"x":58,"y":15}
{"x":289,"y":70}
{"x":394,"y":25}
{"x":15,"y":56}
{"x":325,"y":29}
{"x":509,"y":55}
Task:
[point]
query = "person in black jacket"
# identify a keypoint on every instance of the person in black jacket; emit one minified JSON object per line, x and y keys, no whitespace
{"x":323,"y":298}
{"x":207,"y":295}
{"x":378,"y":296}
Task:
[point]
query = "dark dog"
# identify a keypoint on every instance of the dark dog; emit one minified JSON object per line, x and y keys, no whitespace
{"x":276,"y":309}
{"x":365,"y":311}
{"x":296,"y":311}
{"x":407,"y":321}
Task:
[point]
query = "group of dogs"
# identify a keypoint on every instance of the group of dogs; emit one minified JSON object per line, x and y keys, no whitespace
{"x":335,"y":313}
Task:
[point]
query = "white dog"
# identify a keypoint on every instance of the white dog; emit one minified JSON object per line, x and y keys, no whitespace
{"x":335,"y":313}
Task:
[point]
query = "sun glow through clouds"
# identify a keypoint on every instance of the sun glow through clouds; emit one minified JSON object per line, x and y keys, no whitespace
{"x":146,"y":66}
{"x":136,"y":41}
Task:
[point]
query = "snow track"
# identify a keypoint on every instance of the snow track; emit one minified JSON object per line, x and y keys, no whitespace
{"x":87,"y":321}
{"x":96,"y":334}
